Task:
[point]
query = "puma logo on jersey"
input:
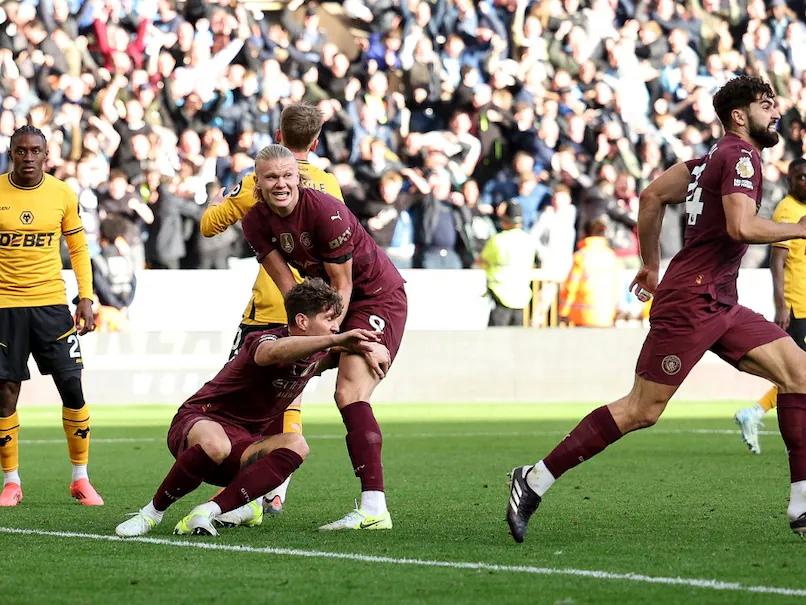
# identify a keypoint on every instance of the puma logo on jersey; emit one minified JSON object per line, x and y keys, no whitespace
{"x":336,"y":216}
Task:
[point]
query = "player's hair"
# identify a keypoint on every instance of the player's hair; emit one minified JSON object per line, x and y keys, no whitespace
{"x":273,"y":152}
{"x":311,"y":297}
{"x":300,"y":125}
{"x":795,"y":164}
{"x":28,"y":129}
{"x":739,"y":92}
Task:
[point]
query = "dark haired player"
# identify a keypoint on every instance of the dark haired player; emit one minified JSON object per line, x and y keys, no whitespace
{"x":219,"y":435}
{"x":317,"y":235}
{"x":695,"y":307}
{"x":36,"y":210}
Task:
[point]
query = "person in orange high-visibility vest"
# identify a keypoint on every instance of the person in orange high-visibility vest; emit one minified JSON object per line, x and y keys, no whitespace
{"x":590,"y":294}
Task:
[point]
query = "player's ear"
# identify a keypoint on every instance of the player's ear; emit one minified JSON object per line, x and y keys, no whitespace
{"x":278,"y":136}
{"x":301,"y":321}
{"x":312,"y":147}
{"x":739,"y":115}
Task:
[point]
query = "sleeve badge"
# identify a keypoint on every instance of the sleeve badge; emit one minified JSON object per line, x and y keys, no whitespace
{"x":744,"y":167}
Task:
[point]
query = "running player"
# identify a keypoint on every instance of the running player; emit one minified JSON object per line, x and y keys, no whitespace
{"x":695,"y":307}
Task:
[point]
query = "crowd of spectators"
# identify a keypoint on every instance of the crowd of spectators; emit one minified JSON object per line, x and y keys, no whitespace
{"x":437,"y":111}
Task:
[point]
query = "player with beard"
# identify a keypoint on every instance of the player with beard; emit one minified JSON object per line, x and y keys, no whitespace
{"x":695,"y":307}
{"x":316,"y":234}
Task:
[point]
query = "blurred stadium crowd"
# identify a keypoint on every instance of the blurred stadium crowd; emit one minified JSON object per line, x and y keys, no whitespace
{"x":436,"y":111}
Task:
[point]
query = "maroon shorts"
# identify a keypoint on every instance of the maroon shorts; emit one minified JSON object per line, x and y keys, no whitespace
{"x":239,"y":439}
{"x":684,"y":325}
{"x":385,"y":313}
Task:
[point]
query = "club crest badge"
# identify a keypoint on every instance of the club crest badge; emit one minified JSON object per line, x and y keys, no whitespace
{"x":744,"y":167}
{"x":27,"y":217}
{"x":287,"y":242}
{"x":671,"y":364}
{"x":305,"y":239}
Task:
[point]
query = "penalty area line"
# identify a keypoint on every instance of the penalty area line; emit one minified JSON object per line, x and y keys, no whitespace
{"x":460,"y":565}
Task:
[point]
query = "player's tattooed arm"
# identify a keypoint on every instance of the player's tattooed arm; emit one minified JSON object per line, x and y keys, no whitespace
{"x":278,"y":270}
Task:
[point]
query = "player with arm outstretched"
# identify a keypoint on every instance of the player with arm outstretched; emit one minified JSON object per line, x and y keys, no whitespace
{"x":300,"y":126}
{"x":36,"y":210}
{"x":695,"y":307}
{"x":319,"y":236}
{"x":219,"y":435}
{"x":788,"y":268}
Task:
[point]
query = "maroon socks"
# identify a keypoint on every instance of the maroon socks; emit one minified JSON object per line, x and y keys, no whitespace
{"x":594,"y":433}
{"x":364,"y":444}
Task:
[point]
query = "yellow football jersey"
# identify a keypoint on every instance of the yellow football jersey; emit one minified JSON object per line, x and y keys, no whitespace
{"x":266,"y":305}
{"x":790,"y":210}
{"x":32,"y":222}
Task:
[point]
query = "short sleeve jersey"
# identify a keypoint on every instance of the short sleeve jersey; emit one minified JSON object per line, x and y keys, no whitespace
{"x":250,"y":395}
{"x":709,"y":260}
{"x":322,"y":230}
{"x":790,"y":210}
{"x":32,"y":222}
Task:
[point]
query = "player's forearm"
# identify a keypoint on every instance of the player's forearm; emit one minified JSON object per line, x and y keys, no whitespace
{"x":292,"y":348}
{"x":650,"y":221}
{"x":279,"y":272}
{"x":757,"y":230}
{"x":217,"y":218}
{"x":346,"y":293}
{"x":80,"y":261}
{"x":777,"y":264}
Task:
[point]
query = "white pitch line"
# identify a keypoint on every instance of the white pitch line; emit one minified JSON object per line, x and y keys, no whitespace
{"x":325,"y":437}
{"x":474,"y":566}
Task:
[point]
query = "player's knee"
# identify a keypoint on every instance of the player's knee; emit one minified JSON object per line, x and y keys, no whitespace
{"x":69,"y":386}
{"x":9,"y":394}
{"x":297,"y":444}
{"x":216,"y":449}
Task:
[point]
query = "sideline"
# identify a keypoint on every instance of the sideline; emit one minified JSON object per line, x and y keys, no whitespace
{"x":528,"y":569}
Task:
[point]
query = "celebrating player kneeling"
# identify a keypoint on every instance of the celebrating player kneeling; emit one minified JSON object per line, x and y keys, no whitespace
{"x":219,"y":435}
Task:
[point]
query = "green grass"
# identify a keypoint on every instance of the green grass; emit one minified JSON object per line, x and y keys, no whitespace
{"x":667,"y":502}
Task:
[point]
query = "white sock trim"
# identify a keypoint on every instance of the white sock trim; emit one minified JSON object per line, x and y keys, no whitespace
{"x":797,"y":500}
{"x":80,"y":472}
{"x":11,"y":477}
{"x":540,"y":479}
{"x":373,"y":503}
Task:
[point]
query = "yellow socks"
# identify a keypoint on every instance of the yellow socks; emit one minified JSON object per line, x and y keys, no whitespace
{"x":9,"y":443}
{"x":769,"y":400}
{"x":77,"y":430}
{"x":292,"y":420}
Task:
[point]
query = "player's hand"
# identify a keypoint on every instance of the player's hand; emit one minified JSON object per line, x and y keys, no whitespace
{"x":84,"y":317}
{"x":782,"y":317}
{"x":358,"y":340}
{"x":645,"y":283}
{"x":378,"y":359}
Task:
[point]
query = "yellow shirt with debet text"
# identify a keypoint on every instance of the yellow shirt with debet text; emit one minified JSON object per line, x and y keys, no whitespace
{"x":32,"y":223}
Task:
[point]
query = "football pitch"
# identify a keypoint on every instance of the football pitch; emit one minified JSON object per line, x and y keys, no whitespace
{"x":677,"y":512}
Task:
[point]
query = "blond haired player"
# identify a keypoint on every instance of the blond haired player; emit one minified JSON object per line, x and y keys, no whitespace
{"x":788,"y":267}
{"x":36,"y":210}
{"x":300,"y":125}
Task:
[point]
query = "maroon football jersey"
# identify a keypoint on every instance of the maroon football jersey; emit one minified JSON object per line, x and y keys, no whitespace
{"x":710,"y":258}
{"x":250,"y":395}
{"x":321,"y":229}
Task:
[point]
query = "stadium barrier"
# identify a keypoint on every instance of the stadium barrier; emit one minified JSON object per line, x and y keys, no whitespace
{"x":182,"y":324}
